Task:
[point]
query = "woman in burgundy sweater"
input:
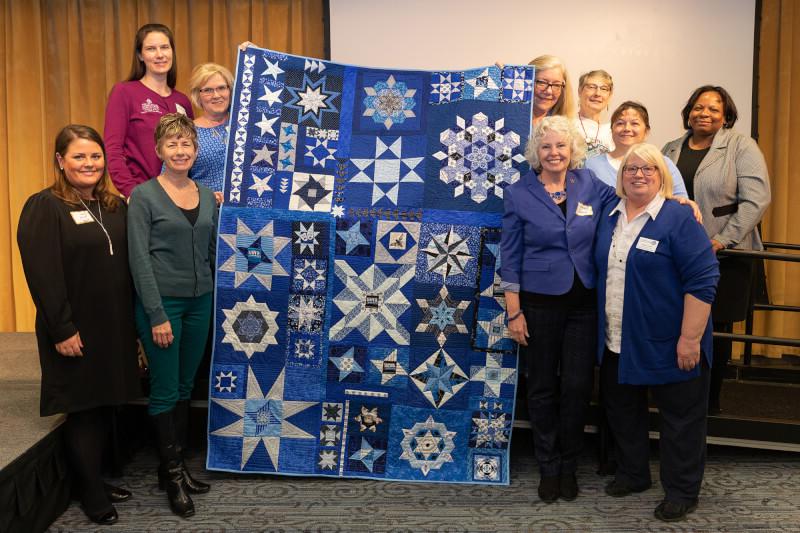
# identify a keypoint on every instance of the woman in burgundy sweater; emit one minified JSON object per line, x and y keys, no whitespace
{"x":136,"y":105}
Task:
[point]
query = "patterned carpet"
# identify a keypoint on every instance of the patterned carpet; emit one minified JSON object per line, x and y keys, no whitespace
{"x":744,"y":490}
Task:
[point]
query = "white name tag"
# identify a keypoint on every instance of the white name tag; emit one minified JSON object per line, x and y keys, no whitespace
{"x":584,"y":210}
{"x":648,"y":245}
{"x":81,"y":217}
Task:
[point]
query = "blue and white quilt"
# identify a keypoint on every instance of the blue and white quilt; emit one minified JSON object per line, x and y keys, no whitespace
{"x":360,"y":328}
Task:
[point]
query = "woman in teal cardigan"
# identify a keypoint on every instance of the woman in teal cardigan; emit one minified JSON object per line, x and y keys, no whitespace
{"x":172,"y":223}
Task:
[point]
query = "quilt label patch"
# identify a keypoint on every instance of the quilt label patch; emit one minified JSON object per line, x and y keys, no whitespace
{"x":360,"y":327}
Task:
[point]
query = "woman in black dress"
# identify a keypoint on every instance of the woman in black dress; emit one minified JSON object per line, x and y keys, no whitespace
{"x":73,"y":244}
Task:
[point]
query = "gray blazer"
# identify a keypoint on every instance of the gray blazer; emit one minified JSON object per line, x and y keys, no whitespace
{"x":731,"y":181}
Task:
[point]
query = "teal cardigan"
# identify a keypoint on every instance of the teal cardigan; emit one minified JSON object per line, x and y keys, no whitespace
{"x":168,"y":256}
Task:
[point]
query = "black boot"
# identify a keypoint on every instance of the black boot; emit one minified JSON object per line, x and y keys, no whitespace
{"x":170,"y":473}
{"x":182,"y":423}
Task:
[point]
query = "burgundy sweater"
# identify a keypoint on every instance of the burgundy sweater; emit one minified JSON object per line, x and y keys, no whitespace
{"x":132,"y":114}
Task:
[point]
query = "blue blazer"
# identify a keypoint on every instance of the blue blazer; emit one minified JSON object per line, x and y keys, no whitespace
{"x":540,"y":249}
{"x":655,"y":285}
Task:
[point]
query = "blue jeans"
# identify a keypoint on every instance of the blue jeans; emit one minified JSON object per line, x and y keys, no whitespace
{"x":172,"y":369}
{"x":560,"y":355}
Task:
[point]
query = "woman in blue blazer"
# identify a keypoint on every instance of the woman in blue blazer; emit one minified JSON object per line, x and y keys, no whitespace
{"x":548,"y":278}
{"x":656,"y":280}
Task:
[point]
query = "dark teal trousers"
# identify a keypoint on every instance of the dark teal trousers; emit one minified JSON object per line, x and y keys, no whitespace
{"x":172,"y":369}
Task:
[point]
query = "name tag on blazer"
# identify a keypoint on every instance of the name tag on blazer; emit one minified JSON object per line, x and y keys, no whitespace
{"x":584,"y":210}
{"x":81,"y":217}
{"x":648,"y":245}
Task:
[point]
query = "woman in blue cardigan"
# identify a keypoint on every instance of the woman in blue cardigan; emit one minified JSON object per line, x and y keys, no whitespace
{"x":548,"y":278}
{"x":657,"y":276}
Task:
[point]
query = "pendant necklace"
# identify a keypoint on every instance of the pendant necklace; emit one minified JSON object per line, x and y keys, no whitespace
{"x":556,"y":196}
{"x":99,"y":222}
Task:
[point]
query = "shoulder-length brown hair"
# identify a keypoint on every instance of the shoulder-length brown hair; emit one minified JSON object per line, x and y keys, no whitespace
{"x":62,"y":188}
{"x":138,"y":69}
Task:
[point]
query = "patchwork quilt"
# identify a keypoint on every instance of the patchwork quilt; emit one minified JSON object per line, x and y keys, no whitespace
{"x":359,"y":325}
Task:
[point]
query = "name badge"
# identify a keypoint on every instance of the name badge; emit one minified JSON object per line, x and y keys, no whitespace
{"x":584,"y":210}
{"x":81,"y":217}
{"x":648,"y":245}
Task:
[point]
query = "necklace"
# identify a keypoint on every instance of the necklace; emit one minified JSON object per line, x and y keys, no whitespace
{"x":593,"y":146}
{"x":99,"y":222}
{"x":556,"y":196}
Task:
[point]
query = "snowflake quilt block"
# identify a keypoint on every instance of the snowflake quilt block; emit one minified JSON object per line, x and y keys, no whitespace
{"x":359,"y":328}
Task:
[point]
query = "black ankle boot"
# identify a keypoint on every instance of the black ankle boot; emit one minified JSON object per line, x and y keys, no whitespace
{"x":181,"y":424}
{"x":170,"y":472}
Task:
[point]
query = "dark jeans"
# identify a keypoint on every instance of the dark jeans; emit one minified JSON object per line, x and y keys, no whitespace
{"x":560,"y":357}
{"x":682,"y":443}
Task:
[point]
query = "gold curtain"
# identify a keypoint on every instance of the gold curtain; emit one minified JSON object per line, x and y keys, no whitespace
{"x":779,"y":139}
{"x":60,"y":59}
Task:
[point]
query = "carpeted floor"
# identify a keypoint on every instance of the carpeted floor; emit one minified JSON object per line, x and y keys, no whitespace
{"x":744,"y":490}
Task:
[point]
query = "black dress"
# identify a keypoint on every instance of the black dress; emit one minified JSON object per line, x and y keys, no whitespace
{"x":78,"y":286}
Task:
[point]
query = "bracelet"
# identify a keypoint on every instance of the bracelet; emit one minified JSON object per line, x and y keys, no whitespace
{"x":515,"y":316}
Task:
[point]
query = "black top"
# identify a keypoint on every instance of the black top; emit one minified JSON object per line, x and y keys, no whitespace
{"x":191,"y":214}
{"x":688,"y":162}
{"x":79,"y":287}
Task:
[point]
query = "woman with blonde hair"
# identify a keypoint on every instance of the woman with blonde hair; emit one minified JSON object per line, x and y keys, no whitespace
{"x":172,"y":223}
{"x":73,"y":245}
{"x":552,"y":91}
{"x":656,"y":279}
{"x":210,"y":89}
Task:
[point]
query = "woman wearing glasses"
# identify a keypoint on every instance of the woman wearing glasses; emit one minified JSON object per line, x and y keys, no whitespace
{"x":136,"y":105}
{"x":656,"y":279}
{"x":594,"y":93}
{"x":210,"y":90}
{"x":552,"y":92}
{"x":726,"y":175}
{"x":630,"y":124}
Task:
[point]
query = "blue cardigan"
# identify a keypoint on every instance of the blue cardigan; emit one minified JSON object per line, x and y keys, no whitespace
{"x":541,"y":249}
{"x":655,"y":285}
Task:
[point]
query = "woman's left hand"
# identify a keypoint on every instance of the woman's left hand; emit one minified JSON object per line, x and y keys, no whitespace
{"x":688,"y":353}
{"x":716,"y":246}
{"x":695,"y":208}
{"x":218,"y":197}
{"x":245,"y":45}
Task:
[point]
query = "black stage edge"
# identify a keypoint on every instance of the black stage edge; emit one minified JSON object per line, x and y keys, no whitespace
{"x":35,"y":487}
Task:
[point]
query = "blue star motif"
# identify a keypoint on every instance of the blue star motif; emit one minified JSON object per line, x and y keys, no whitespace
{"x":312,"y":100}
{"x":443,"y":316}
{"x":439,"y":376}
{"x":367,"y":454}
{"x":352,"y":237}
{"x":346,"y":364}
{"x":254,"y":253}
{"x":289,"y":130}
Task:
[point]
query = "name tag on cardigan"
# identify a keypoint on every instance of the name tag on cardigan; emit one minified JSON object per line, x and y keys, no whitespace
{"x":584,"y":210}
{"x":648,"y":245}
{"x":81,"y":217}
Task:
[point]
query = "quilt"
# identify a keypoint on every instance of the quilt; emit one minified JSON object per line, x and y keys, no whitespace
{"x":359,"y":325}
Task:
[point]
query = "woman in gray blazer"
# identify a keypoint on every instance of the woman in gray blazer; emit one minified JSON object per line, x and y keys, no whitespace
{"x":725,"y":173}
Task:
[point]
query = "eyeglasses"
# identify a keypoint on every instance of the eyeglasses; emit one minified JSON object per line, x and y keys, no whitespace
{"x":543,"y":85}
{"x":648,"y":171}
{"x":604,"y":89}
{"x":208,"y":91}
